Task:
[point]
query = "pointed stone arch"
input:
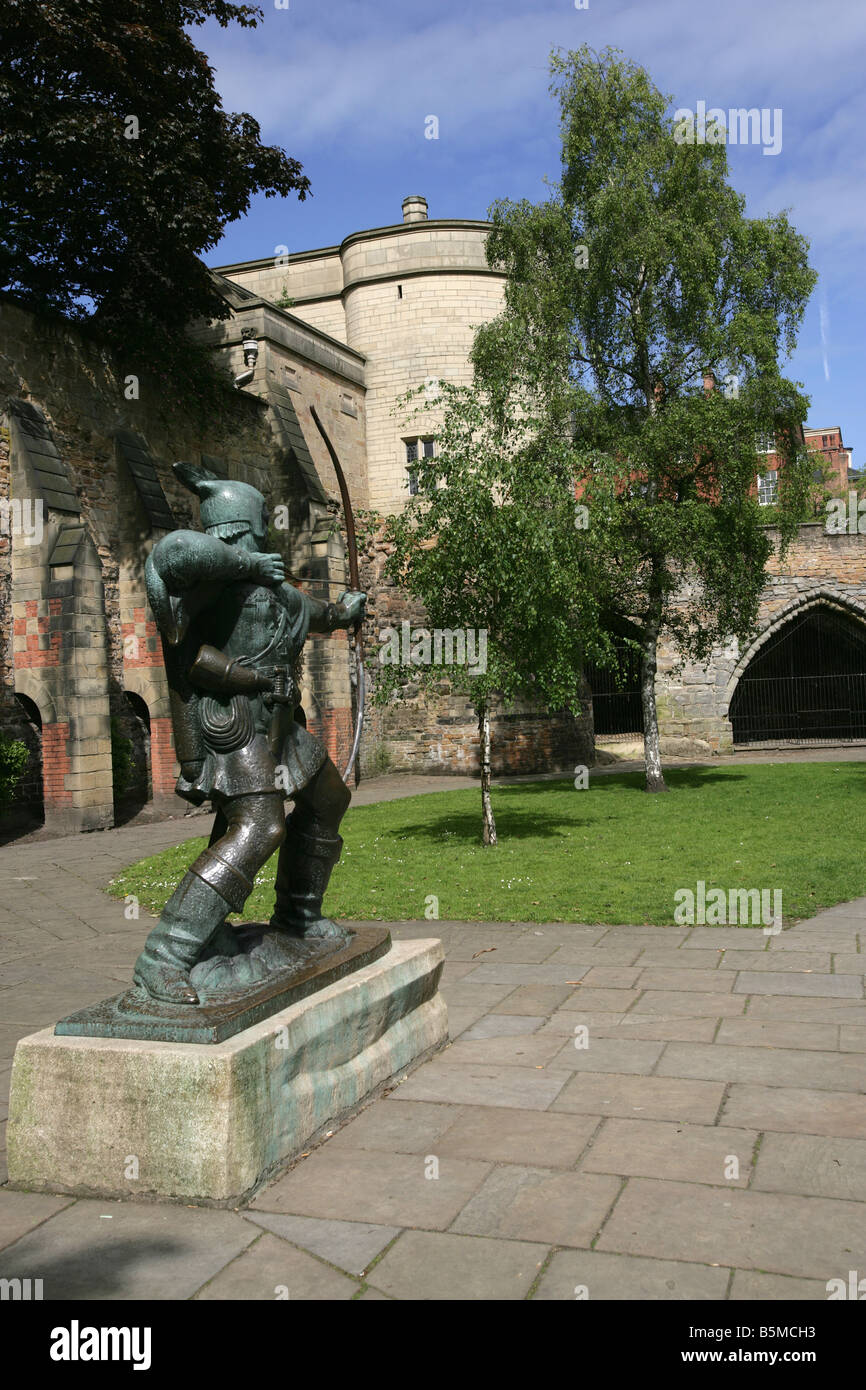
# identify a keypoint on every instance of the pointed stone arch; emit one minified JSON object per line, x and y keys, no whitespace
{"x":822,"y":595}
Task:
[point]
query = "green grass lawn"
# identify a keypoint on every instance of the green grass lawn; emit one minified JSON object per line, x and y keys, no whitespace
{"x":609,"y":853}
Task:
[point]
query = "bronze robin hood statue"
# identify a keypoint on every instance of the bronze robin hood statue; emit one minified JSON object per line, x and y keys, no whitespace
{"x":232,"y":630}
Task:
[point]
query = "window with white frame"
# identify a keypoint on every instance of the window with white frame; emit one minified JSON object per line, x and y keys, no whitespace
{"x":765,"y":443}
{"x":768,"y":488}
{"x":415,"y":449}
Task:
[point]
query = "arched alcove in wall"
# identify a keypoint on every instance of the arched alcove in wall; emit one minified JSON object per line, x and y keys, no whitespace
{"x":28,"y":807}
{"x":806,"y":682}
{"x":131,"y":756}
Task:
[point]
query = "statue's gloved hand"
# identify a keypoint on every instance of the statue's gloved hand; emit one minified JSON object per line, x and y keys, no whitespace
{"x":355,"y":604}
{"x":212,"y":670}
{"x":269,"y":569}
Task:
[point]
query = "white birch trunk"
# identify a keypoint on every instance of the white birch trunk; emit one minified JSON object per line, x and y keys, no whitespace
{"x":486,"y":805}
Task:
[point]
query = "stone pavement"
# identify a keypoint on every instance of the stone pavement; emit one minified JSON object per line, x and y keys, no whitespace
{"x":646,"y":1112}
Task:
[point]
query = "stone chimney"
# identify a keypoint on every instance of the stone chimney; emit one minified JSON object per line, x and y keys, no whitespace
{"x":415,"y":208}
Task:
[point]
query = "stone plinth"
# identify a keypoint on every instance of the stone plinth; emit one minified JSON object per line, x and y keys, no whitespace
{"x":208,"y":1122}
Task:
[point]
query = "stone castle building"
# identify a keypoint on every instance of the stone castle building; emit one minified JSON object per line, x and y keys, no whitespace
{"x":86,"y":488}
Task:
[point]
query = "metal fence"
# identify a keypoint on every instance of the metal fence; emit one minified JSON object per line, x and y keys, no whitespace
{"x":800,"y":709}
{"x":616,"y":704}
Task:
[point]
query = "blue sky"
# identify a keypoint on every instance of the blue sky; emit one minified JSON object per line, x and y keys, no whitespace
{"x":345,"y":86}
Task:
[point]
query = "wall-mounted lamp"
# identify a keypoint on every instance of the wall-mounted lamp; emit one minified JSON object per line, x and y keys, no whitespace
{"x":250,"y":347}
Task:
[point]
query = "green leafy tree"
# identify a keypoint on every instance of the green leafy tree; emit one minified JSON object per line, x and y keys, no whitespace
{"x":13,"y":761}
{"x":637,"y":281}
{"x":118,"y":164}
{"x":490,"y":546}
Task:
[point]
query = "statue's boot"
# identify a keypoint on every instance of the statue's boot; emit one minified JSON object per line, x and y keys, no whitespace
{"x":190,"y":919}
{"x":303,"y":870}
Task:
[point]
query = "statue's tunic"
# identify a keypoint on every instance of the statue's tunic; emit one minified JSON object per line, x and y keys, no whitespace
{"x":245,"y":739}
{"x":233,"y":745}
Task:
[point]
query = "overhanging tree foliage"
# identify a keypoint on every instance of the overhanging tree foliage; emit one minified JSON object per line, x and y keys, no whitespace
{"x":638,"y":275}
{"x":118,"y":164}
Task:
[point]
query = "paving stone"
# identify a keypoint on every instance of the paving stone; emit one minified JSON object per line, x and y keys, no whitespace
{"x":810,"y":1010}
{"x":679,"y":959}
{"x":518,"y":1136}
{"x":453,"y":1268}
{"x":652,"y":1097}
{"x":649,"y":1026}
{"x":459,"y":1019}
{"x":764,"y":1066}
{"x":618,"y":1277}
{"x":503,"y":1026}
{"x":726,"y":938}
{"x":373,"y":1296}
{"x":481,"y":946}
{"x":558,"y":1208}
{"x":563,"y":1023}
{"x":539,"y":1000}
{"x":409,"y":1128}
{"x":794,"y":961}
{"x":526,"y":950}
{"x":762,"y":1032}
{"x":853,"y":1038}
{"x":709,"y":982}
{"x":809,"y":1164}
{"x":804,"y":939}
{"x":749,"y":1285}
{"x":690,"y":1003}
{"x":522,"y":1088}
{"x":524,"y":1050}
{"x":272,"y":1269}
{"x":602,"y":1000}
{"x":127,"y":1250}
{"x":20,"y":1212}
{"x":475,"y":995}
{"x":611,"y":977}
{"x":492,"y":973}
{"x":654,"y":1027}
{"x":381,"y":1188}
{"x":849,"y":964}
{"x":666,"y":1149}
{"x":454,"y":970}
{"x":626,"y":1056}
{"x":779,"y":982}
{"x":351,"y":1245}
{"x":646,"y":936}
{"x":566,"y":933}
{"x":796,"y":1110}
{"x":809,"y":1236}
{"x":623,"y":955}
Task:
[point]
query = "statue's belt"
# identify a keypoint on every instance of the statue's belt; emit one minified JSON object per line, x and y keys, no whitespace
{"x":228,"y":722}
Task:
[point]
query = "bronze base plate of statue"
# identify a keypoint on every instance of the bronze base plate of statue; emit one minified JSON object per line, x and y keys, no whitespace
{"x":290,"y":971}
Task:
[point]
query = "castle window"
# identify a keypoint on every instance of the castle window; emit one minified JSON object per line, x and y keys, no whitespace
{"x":415,"y":449}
